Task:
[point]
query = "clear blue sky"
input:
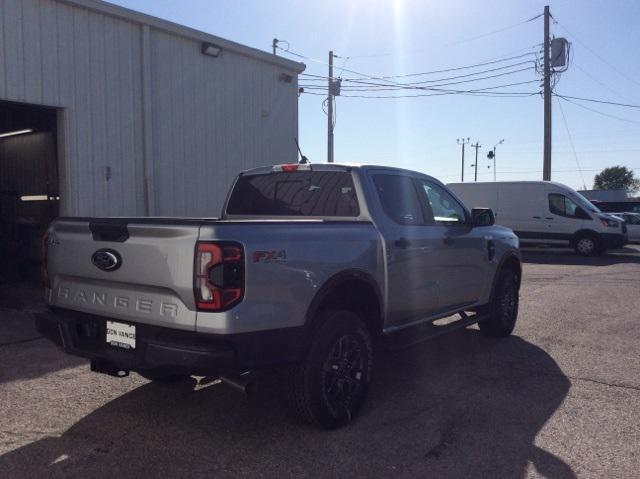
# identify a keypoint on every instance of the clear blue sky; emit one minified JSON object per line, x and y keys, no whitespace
{"x":391,"y":37}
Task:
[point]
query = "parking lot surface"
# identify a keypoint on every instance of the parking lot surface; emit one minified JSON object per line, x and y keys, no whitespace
{"x":560,"y":398}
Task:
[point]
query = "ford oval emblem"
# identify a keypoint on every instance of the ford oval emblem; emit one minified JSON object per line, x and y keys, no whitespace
{"x":106,"y":259}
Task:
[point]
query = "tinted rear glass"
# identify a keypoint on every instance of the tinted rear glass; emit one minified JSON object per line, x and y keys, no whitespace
{"x":299,"y":193}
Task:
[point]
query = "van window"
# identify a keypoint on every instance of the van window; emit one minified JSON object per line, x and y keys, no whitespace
{"x":446,"y":210}
{"x":562,"y":205}
{"x":399,"y":199}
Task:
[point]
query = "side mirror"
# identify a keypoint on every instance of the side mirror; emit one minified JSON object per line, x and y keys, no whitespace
{"x":482,"y":217}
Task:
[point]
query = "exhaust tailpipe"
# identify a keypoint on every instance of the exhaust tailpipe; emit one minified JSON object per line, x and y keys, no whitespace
{"x":243,"y":383}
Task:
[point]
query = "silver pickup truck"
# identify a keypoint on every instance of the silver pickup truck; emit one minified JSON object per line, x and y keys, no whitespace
{"x":310,"y":269}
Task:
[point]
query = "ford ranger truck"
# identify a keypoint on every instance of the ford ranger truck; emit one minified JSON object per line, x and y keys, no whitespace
{"x":308,"y":270}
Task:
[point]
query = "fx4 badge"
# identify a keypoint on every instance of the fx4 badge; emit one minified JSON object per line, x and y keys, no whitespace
{"x":269,"y":256}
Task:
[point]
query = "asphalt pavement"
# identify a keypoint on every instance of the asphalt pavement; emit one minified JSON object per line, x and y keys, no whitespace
{"x":560,"y":398}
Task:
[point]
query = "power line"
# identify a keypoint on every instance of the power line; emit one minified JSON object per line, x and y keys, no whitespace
{"x":598,"y":111}
{"x":358,"y":80}
{"x":602,"y":84}
{"x":478,"y":91}
{"x":382,"y":87}
{"x":403,"y":86}
{"x":575,"y":155}
{"x":598,"y":101}
{"x":453,"y":69}
{"x":493,"y":32}
{"x":613,"y":67}
{"x":531,"y":172}
{"x":369,"y":77}
{"x":417,"y":85}
{"x":383,"y":78}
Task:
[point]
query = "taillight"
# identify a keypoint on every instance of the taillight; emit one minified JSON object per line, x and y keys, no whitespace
{"x":44,"y":271}
{"x":218,"y":280}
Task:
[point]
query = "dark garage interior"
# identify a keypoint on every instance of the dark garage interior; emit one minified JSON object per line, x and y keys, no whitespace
{"x":29,"y":194}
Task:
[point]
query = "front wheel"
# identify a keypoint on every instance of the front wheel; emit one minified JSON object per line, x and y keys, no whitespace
{"x":587,"y":245}
{"x":329,"y":387}
{"x":503,"y":309}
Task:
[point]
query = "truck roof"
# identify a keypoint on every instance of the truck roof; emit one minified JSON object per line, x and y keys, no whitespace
{"x":262,"y":170}
{"x":530,"y":182}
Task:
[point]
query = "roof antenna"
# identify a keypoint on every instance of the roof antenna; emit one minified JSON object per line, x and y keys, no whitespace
{"x":303,"y":159}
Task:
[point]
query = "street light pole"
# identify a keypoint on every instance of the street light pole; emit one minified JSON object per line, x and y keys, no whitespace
{"x":492,"y":156}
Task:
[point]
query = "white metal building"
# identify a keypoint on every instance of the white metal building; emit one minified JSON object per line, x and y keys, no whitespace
{"x":130,"y":114}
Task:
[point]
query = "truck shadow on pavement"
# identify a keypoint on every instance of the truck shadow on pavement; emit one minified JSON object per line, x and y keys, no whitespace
{"x":568,"y":257}
{"x":24,"y":353}
{"x":457,"y":406}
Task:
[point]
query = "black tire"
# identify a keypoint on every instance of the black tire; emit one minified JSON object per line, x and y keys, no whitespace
{"x":329,"y":387}
{"x":503,"y":309}
{"x":587,"y":245}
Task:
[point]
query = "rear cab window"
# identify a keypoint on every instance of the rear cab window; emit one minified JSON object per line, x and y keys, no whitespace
{"x":304,"y":193}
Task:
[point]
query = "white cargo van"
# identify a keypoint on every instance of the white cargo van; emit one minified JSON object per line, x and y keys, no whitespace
{"x":546,"y":212}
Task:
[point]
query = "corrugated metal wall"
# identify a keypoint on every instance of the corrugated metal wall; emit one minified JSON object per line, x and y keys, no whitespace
{"x":212,"y":118}
{"x":209,"y":117}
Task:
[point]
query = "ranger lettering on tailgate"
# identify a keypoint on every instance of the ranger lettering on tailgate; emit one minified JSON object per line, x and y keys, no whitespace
{"x":83,"y":297}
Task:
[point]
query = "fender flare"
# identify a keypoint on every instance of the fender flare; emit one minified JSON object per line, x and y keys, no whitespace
{"x":331,"y":284}
{"x":507,"y":257}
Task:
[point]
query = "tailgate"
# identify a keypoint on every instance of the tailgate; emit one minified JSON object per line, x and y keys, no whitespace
{"x":136,"y":269}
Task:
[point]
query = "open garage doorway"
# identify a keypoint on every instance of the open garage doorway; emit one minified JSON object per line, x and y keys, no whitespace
{"x":29,"y":193}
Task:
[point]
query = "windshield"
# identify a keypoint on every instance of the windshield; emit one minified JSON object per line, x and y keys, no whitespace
{"x":585,"y":203}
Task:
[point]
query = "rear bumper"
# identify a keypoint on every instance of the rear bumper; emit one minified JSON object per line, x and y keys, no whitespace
{"x":170,"y":351}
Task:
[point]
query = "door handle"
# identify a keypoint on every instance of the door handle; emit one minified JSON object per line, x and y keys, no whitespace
{"x":403,"y":243}
{"x":548,"y":218}
{"x":449,"y":241}
{"x":537,"y":218}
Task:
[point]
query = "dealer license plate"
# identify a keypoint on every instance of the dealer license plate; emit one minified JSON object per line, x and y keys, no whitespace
{"x":121,"y":335}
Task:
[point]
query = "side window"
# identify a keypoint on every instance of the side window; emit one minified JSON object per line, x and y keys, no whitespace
{"x":446,"y":209}
{"x":399,"y":199}
{"x":562,"y":206}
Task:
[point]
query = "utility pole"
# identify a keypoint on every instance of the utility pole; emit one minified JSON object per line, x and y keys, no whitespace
{"x":274,"y":44}
{"x":476,"y":146}
{"x":546,"y":167}
{"x":463,"y":142}
{"x":330,"y":111}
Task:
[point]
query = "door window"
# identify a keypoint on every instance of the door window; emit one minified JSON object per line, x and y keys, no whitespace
{"x":446,"y":209}
{"x":562,"y":205}
{"x":399,"y":199}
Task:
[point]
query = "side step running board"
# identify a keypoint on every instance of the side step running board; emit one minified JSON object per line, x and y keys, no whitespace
{"x":417,"y":334}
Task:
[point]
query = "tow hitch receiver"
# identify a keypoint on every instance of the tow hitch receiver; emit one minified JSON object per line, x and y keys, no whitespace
{"x":104,"y":367}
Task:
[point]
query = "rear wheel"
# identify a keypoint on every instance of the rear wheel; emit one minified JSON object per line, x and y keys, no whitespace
{"x":329,"y":387}
{"x":503,"y":309}
{"x":587,"y":245}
